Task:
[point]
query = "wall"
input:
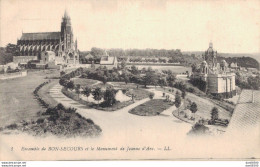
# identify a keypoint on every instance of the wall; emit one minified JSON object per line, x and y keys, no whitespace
{"x":13,"y":75}
{"x":23,"y":59}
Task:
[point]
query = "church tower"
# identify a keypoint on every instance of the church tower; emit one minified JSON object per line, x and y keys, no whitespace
{"x":66,"y":32}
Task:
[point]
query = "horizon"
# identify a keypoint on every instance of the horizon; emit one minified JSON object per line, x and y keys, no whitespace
{"x":131,"y":24}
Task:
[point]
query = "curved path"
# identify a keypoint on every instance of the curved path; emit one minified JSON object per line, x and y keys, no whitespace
{"x":122,"y":123}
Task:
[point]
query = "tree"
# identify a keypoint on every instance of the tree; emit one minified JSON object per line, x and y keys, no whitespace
{"x":177,"y":101}
{"x":97,"y":52}
{"x":188,"y":104}
{"x":110,"y":96}
{"x":193,"y":108}
{"x":177,"y":93}
{"x":126,"y":78}
{"x":214,"y":114}
{"x":151,"y":95}
{"x":134,"y":70}
{"x":86,"y":92}
{"x":183,"y":94}
{"x":162,"y":82}
{"x":92,"y":65}
{"x":12,"y":48}
{"x":77,"y":89}
{"x":254,"y":82}
{"x":97,"y":94}
{"x":171,"y":79}
{"x":70,"y":85}
{"x":104,"y":79}
{"x":62,"y":73}
{"x":123,"y":64}
{"x":150,"y":79}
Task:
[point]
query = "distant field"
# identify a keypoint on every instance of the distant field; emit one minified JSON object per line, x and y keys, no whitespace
{"x":17,"y":102}
{"x":174,"y":69}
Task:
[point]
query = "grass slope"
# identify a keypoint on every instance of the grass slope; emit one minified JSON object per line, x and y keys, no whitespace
{"x":151,"y":108}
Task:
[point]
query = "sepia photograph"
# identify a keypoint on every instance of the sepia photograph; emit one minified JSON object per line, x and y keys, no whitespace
{"x":129,"y":80}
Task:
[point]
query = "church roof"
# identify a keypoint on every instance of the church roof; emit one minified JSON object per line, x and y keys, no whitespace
{"x":107,"y":60}
{"x":40,"y":36}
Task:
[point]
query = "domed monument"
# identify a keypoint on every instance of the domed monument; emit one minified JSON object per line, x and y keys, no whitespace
{"x":218,"y":77}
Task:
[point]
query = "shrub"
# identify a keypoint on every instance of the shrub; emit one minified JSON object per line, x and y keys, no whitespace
{"x":124,"y":91}
{"x":110,"y":96}
{"x":40,"y":120}
{"x":191,"y":90}
{"x":151,"y":95}
{"x":60,"y":107}
{"x":12,"y":126}
{"x":199,"y":128}
{"x":90,"y":121}
{"x":214,"y":114}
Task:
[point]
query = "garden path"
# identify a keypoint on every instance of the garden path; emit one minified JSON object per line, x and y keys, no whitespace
{"x":122,"y":123}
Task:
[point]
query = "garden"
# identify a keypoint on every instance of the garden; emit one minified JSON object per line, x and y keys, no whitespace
{"x":151,"y":108}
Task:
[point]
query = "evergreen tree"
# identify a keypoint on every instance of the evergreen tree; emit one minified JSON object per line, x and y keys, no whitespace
{"x":97,"y":94}
{"x":87,"y":91}
{"x":110,"y":96}
{"x":177,"y":101}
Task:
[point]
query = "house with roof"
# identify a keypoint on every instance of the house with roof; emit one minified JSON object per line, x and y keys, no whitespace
{"x":108,"y":61}
{"x":89,"y":56}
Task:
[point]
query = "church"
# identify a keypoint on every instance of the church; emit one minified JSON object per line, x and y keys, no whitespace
{"x":31,"y":46}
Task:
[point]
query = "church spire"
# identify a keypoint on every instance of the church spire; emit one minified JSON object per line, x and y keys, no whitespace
{"x":66,"y":14}
{"x":76,"y":44}
{"x":60,"y":46}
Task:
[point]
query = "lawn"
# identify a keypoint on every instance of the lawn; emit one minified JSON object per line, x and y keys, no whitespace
{"x":151,"y":108}
{"x":88,"y":104}
{"x":17,"y":101}
{"x":45,"y":95}
{"x":139,"y":95}
{"x":84,"y":82}
{"x":204,"y":104}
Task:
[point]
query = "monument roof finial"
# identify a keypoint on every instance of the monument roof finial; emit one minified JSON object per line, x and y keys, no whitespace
{"x":210,"y":44}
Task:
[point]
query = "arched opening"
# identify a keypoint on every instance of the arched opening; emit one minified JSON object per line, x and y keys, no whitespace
{"x":70,"y":55}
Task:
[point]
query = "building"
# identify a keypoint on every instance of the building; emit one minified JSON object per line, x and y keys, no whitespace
{"x":218,"y":77}
{"x":89,"y":56}
{"x":109,"y":62}
{"x":233,"y":65}
{"x":61,"y":43}
{"x":253,"y":70}
{"x":23,"y":60}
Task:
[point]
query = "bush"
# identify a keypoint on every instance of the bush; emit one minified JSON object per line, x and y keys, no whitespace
{"x":124,"y":91}
{"x":70,"y":110}
{"x":40,"y":120}
{"x":151,"y":95}
{"x":60,"y":107}
{"x":191,"y":90}
{"x":89,"y":121}
{"x":12,"y":126}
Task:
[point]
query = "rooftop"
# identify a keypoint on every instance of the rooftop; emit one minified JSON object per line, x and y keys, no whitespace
{"x":40,"y":36}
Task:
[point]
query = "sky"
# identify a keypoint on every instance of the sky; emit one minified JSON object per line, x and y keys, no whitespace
{"x":232,"y":25}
